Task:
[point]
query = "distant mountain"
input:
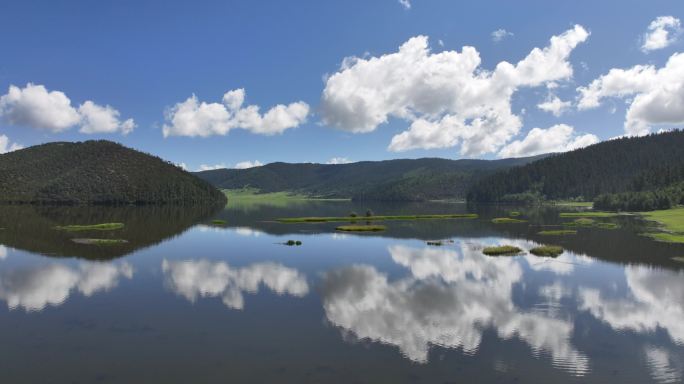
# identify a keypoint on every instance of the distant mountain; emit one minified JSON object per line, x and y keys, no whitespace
{"x":390,"y":180}
{"x":631,"y":164}
{"x":97,"y":172}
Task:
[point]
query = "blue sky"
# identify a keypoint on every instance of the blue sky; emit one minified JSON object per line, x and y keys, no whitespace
{"x":145,"y":58}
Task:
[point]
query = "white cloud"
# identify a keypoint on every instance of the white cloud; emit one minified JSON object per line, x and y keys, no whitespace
{"x":554,"y":105}
{"x":338,"y":160}
{"x":35,"y":288}
{"x":558,"y":138}
{"x":656,"y":96}
{"x":248,"y":164}
{"x":194,"y":118}
{"x":500,"y":34}
{"x":5,"y":145}
{"x":448,"y":99}
{"x":99,"y":119}
{"x":208,"y":167}
{"x":662,"y":32}
{"x":405,"y":3}
{"x":203,"y":278}
{"x":36,"y":107}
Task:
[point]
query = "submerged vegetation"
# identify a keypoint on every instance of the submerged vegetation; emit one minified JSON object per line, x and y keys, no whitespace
{"x":547,"y":250}
{"x":507,"y":220}
{"x":557,"y":232}
{"x":218,"y":222}
{"x":92,"y":227}
{"x":375,"y":218}
{"x":672,"y":222}
{"x":502,"y":250}
{"x":361,"y":228}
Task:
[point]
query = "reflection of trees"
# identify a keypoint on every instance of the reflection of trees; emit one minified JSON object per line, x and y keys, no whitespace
{"x":449,"y":299}
{"x":34,"y":288}
{"x":202,"y":278}
{"x":31,"y":228}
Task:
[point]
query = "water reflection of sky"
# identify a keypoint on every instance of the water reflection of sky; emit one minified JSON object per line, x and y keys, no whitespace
{"x":399,"y":293}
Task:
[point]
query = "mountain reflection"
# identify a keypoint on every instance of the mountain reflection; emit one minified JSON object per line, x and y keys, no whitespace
{"x":34,"y":288}
{"x":203,"y":278}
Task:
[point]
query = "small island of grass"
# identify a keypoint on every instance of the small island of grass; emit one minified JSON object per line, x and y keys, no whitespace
{"x":314,"y":219}
{"x":293,"y":242}
{"x":547,"y":250}
{"x":103,"y":242}
{"x":92,"y":227}
{"x":361,"y":228}
{"x":678,"y":259}
{"x":514,"y":214}
{"x":218,"y":222}
{"x":502,"y":250}
{"x":557,"y":232}
{"x":507,"y":220}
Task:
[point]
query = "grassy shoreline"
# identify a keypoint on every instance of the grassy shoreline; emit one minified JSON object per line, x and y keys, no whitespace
{"x":92,"y":227}
{"x":671,"y":222}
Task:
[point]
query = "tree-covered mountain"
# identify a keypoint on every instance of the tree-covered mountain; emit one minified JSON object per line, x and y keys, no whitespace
{"x":628,"y":165}
{"x":400,"y":180}
{"x":97,"y":172}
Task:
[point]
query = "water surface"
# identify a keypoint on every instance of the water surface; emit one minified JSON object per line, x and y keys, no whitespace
{"x":184,"y":301}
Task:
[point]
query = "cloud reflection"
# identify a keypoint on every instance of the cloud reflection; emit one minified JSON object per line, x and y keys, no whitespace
{"x":203,"y":278}
{"x":449,"y":299}
{"x":34,"y":288}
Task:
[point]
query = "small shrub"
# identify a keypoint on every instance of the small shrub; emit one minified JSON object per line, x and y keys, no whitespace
{"x":369,"y":213}
{"x":353,"y":214}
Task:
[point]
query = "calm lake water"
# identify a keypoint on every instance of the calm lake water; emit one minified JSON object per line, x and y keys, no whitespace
{"x":186,"y":302}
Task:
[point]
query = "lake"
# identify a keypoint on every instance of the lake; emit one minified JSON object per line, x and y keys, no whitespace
{"x":185,"y":301}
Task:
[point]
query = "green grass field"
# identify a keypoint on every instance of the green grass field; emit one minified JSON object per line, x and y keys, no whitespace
{"x":672,"y":221}
{"x":315,"y":219}
{"x":93,"y":227}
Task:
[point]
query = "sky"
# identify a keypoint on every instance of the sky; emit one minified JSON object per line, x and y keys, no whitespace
{"x":241,"y":83}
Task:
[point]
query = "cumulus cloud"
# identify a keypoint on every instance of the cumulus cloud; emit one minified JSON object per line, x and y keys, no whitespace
{"x":37,"y":287}
{"x":203,"y":278}
{"x":405,"y":3}
{"x":99,"y":119}
{"x":558,"y":138}
{"x":6,"y":146}
{"x":657,"y":95}
{"x":500,"y":34}
{"x":553,"y":104}
{"x":447,"y":98}
{"x":662,"y":32}
{"x":209,"y":167}
{"x":449,"y":299}
{"x":248,"y":164}
{"x":338,"y":160}
{"x":36,"y":107}
{"x":194,"y":118}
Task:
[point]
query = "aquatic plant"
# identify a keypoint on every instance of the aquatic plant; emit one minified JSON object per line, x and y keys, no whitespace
{"x":547,"y":250}
{"x":557,"y":232}
{"x":507,"y":220}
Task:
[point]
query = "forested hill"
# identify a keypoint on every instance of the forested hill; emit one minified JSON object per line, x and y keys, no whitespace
{"x":630,"y":164}
{"x":399,"y":180}
{"x":97,"y":172}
